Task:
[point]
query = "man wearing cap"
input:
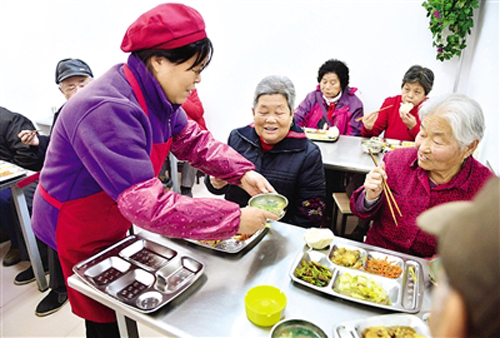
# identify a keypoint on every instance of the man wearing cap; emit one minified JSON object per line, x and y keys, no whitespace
{"x":110,"y":142}
{"x":466,"y":302}
{"x":71,"y":76}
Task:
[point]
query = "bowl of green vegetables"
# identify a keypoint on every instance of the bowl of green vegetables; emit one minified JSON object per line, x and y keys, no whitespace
{"x":274,"y":203}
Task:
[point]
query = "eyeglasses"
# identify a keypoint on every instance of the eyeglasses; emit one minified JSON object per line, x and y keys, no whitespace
{"x":72,"y":87}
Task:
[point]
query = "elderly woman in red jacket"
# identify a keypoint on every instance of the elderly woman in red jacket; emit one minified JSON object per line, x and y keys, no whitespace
{"x":398,"y":116}
{"x":439,"y":169}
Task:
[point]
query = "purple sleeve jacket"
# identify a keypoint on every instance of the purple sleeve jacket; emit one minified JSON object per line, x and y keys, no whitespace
{"x":102,"y":142}
{"x":411,"y":189}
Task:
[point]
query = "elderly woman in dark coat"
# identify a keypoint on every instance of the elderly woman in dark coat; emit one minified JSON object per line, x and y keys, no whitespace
{"x":281,"y":153}
{"x":439,"y":169}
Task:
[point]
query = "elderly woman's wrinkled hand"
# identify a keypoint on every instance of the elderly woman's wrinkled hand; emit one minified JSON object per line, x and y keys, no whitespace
{"x":254,"y":183}
{"x":29,"y":137}
{"x":374,"y":182}
{"x":254,"y":219}
{"x":217,"y":183}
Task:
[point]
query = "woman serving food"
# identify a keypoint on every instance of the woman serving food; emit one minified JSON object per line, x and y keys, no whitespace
{"x":398,"y":116}
{"x":110,"y":142}
{"x":439,"y":169}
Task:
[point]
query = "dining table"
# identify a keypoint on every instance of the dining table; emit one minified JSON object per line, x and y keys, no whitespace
{"x":25,"y":222}
{"x":346,"y":154}
{"x":214,"y":306}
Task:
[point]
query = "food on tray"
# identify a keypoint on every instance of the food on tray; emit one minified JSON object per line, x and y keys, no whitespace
{"x":375,"y":144}
{"x":412,"y":273}
{"x":361,"y":287}
{"x":406,"y":107}
{"x":390,"y":332}
{"x":211,"y":243}
{"x":318,"y":238}
{"x":5,"y":172}
{"x":314,"y":273}
{"x":330,"y":134}
{"x":348,"y":258}
{"x":242,"y":237}
{"x":383,"y":267}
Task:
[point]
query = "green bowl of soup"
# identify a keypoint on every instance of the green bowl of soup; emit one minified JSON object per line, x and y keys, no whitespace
{"x":297,"y":328}
{"x":274,"y":203}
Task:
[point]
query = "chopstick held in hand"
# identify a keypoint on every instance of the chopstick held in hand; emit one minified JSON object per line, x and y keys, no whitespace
{"x":388,"y":194}
{"x":375,"y":112}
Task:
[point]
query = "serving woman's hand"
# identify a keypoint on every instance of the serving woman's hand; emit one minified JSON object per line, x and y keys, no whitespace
{"x":254,"y":219}
{"x":374,"y":182}
{"x":254,"y":183}
{"x":217,"y":183}
{"x":369,"y":120}
{"x":29,"y":137}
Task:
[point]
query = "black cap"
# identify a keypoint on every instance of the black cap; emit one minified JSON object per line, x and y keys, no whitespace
{"x":71,"y":67}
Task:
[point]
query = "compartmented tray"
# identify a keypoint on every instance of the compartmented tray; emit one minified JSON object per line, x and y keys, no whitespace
{"x":10,"y":171}
{"x":232,"y":245}
{"x":355,"y":328}
{"x":140,"y":273}
{"x":403,"y":293}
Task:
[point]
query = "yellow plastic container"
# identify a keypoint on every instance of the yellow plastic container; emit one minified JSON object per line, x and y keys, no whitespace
{"x":264,"y":305}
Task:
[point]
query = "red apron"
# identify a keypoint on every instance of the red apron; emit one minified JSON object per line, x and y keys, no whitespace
{"x":88,"y":225}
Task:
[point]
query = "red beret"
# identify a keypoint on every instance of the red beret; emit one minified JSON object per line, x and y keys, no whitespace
{"x":167,"y":26}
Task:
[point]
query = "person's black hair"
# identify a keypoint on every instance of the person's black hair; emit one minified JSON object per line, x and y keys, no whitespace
{"x":421,"y":75}
{"x":203,"y":49}
{"x":337,"y":67}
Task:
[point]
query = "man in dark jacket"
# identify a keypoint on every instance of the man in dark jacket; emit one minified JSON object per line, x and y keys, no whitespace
{"x":14,"y":151}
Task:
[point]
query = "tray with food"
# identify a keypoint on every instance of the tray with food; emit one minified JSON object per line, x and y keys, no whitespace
{"x":325,"y":135}
{"x":377,"y":145}
{"x":9,"y":171}
{"x":362,"y":273}
{"x":140,"y":273}
{"x":393,"y":325}
{"x":232,"y":245}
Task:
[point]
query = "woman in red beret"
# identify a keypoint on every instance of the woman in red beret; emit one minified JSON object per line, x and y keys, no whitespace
{"x":110,"y":142}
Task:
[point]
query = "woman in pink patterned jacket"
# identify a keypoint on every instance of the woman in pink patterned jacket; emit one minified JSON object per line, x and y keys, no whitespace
{"x":333,"y":103}
{"x":438,"y":170}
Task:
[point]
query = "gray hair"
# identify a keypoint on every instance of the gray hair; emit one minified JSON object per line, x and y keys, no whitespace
{"x":419,"y":74}
{"x":276,"y":84}
{"x":464,"y":115}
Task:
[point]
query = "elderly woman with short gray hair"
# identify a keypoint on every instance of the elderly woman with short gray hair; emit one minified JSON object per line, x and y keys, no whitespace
{"x":398,"y":116}
{"x":281,"y":152}
{"x":438,"y":170}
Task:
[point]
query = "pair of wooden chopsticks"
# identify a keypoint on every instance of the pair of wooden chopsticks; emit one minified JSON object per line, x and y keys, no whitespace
{"x":34,"y":131}
{"x":388,"y":194}
{"x":376,"y":111}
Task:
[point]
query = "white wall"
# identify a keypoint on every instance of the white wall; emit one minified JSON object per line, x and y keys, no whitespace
{"x":379,"y":40}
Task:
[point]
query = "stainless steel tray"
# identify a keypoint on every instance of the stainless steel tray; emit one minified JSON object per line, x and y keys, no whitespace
{"x":404,"y":294}
{"x":9,"y":171}
{"x":355,"y":328}
{"x":140,"y":273}
{"x":231,"y":245}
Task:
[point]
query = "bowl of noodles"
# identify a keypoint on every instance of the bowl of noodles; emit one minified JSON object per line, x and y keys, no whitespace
{"x":274,"y":203}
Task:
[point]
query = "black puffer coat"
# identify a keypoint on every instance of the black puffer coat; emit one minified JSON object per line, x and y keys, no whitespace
{"x":11,"y":147}
{"x":293,"y":166}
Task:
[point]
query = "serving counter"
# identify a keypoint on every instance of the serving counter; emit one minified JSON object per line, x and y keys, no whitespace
{"x":214,"y":305}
